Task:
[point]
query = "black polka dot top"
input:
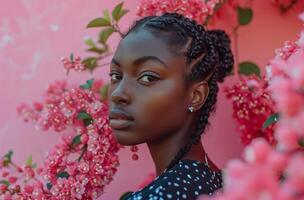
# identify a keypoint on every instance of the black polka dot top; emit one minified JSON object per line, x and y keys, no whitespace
{"x":186,"y":180}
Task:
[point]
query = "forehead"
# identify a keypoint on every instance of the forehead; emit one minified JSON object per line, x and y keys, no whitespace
{"x":144,"y":43}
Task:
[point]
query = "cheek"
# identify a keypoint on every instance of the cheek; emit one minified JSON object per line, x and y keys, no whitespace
{"x":162,"y":110}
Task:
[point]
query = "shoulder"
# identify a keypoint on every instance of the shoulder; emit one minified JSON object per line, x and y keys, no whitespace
{"x":186,"y":180}
{"x":193,"y":178}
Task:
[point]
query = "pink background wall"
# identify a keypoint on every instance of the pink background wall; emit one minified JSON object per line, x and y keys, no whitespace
{"x":34,"y":34}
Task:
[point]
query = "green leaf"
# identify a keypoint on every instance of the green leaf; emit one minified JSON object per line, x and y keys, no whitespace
{"x":105,"y":34}
{"x":245,"y":15}
{"x":122,"y":13}
{"x":106,"y":15}
{"x":95,"y":50}
{"x":6,"y":162}
{"x":5,"y":182}
{"x":271,"y":119}
{"x":29,"y":161}
{"x":9,"y":155}
{"x":63,"y":175}
{"x":87,"y":122}
{"x":98,"y":22}
{"x":87,"y":119}
{"x":72,"y":57}
{"x":116,"y":11}
{"x":85,"y":86}
{"x":88,"y":84}
{"x":247,"y":68}
{"x":83,"y":115}
{"x":49,"y":186}
{"x":90,"y":63}
{"x":90,"y":42}
{"x":76,"y":140}
{"x":7,"y":158}
{"x":104,"y":92}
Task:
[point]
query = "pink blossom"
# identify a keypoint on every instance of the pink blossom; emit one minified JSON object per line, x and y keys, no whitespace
{"x":252,"y":105}
{"x":272,"y":171}
{"x":12,"y":179}
{"x":28,"y":189}
{"x":73,"y":63}
{"x":78,"y":190}
{"x":87,"y":165}
{"x":187,"y":8}
{"x":257,"y":152}
{"x":286,"y":87}
{"x":287,"y":136}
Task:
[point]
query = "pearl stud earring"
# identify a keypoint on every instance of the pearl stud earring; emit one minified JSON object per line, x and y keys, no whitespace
{"x":191,"y":108}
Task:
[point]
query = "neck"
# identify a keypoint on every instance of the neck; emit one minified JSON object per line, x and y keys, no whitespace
{"x":164,"y":150}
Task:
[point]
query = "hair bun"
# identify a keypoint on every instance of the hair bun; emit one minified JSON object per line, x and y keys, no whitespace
{"x":222,"y":42}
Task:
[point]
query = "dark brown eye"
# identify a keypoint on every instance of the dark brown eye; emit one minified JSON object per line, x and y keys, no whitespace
{"x":149,"y":78}
{"x":113,"y":74}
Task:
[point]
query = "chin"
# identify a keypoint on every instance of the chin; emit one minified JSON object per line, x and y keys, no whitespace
{"x":124,"y":138}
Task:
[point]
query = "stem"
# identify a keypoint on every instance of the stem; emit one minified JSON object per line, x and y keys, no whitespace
{"x":248,"y":3}
{"x":67,"y":72}
{"x":104,"y":64}
{"x":82,"y":152}
{"x":216,"y":8}
{"x":284,"y":9}
{"x":16,"y":166}
{"x":104,"y":56}
{"x":117,"y":29}
{"x":235,"y":36}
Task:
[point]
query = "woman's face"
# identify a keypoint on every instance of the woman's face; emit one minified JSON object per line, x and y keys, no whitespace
{"x":147,"y":82}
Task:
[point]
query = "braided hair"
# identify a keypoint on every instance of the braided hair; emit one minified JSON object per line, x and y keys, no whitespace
{"x":207,"y":53}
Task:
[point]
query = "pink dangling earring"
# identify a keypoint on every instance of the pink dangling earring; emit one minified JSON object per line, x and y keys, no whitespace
{"x":134,"y":149}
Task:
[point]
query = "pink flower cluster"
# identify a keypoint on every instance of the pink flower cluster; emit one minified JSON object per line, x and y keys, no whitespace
{"x":17,"y":181}
{"x":275,"y":172}
{"x":61,"y":106}
{"x":197,"y":10}
{"x":286,"y":51}
{"x":286,"y":77}
{"x":72,"y":63}
{"x":252,"y":105}
{"x":90,"y":165}
{"x":263,"y":174}
{"x":86,"y":159}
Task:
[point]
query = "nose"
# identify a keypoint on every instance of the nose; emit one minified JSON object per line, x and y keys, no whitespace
{"x":120,"y":94}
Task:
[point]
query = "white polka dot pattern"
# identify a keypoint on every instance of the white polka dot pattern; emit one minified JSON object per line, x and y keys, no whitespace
{"x":186,"y":180}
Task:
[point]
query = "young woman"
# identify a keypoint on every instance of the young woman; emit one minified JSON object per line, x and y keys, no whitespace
{"x":163,"y":88}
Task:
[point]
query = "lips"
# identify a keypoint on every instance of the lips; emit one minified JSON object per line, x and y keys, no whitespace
{"x":120,"y":119}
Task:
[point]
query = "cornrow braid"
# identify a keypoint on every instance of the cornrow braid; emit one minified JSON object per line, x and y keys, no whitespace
{"x":207,"y":53}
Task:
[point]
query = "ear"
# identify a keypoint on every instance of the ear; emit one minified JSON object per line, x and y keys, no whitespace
{"x":199,"y":94}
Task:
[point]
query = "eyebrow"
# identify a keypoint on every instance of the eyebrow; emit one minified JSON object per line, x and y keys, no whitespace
{"x":143,"y":59}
